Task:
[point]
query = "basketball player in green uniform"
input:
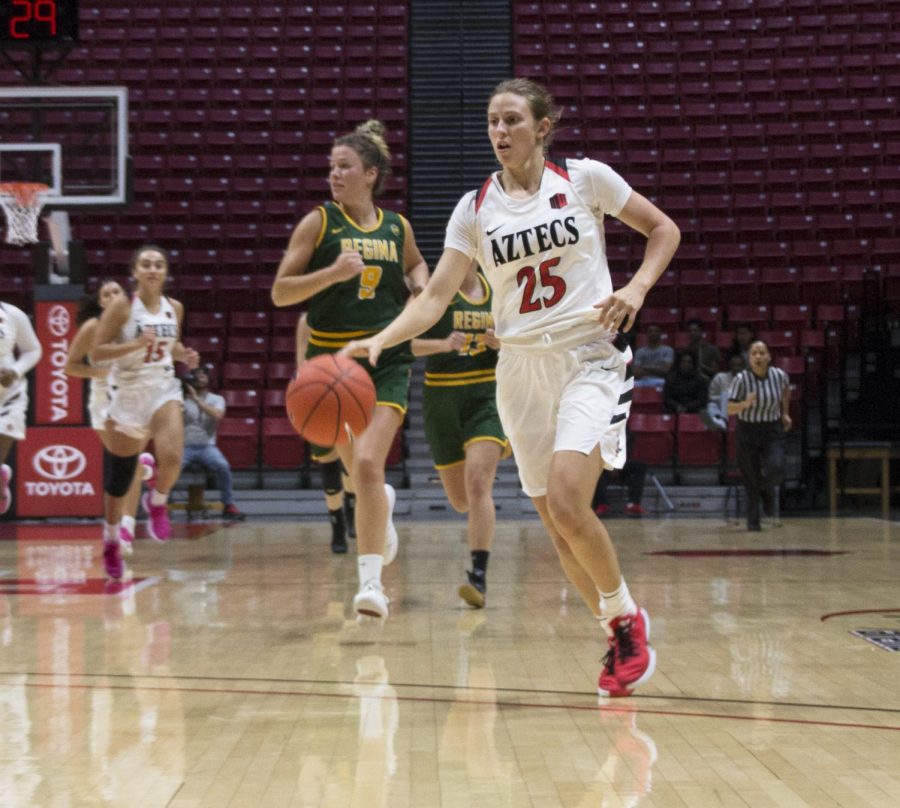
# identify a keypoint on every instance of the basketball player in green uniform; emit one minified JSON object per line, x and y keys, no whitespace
{"x":356,"y":265}
{"x":461,"y":421}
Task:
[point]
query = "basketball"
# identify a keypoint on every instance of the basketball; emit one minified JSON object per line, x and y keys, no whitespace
{"x":328,"y":392}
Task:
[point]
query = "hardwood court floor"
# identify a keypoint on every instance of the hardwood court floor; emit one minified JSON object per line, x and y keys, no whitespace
{"x":230,"y":673}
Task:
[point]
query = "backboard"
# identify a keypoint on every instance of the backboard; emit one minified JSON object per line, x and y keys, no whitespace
{"x":74,"y":139}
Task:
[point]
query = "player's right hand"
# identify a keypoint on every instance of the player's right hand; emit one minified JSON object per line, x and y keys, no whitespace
{"x":369,"y":348}
{"x":348,"y":265}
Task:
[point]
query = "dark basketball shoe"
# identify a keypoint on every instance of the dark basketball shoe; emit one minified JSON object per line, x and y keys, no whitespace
{"x":474,"y":590}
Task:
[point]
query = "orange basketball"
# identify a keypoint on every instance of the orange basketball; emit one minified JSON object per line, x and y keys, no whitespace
{"x":328,"y":392}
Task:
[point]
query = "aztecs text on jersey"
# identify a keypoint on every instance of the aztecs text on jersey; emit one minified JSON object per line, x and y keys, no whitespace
{"x":545,"y":256}
{"x":154,"y":361}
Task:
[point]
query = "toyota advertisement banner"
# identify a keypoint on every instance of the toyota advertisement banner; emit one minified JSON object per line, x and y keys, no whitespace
{"x":59,"y":472}
{"x":57,"y":397}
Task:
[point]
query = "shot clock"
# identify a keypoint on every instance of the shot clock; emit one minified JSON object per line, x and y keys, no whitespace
{"x":38,"y":22}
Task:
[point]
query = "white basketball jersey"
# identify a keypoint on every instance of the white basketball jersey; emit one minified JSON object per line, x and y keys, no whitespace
{"x":16,"y":332}
{"x":545,"y":256}
{"x":154,"y":362}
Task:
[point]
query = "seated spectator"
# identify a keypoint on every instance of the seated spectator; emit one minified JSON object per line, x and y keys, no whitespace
{"x":632,"y":476}
{"x":706,"y":355}
{"x":743,"y":339}
{"x":202,"y":412}
{"x":716,"y":414}
{"x":685,"y":389}
{"x":653,"y":361}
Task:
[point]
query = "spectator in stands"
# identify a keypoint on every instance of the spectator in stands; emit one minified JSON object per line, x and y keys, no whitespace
{"x":203,"y":410}
{"x":340,"y":500}
{"x":653,"y":361}
{"x":632,"y":475}
{"x":706,"y":355}
{"x":563,"y":375}
{"x":716,"y":414}
{"x":760,"y":397}
{"x":357,"y":264}
{"x":685,"y":389}
{"x":20,"y":351}
{"x":743,"y":339}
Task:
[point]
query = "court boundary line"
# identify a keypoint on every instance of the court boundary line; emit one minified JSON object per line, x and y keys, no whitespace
{"x":531,"y":691}
{"x":494,"y":704}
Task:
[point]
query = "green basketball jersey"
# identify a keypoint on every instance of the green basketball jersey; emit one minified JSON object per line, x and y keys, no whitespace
{"x":474,"y":362}
{"x":361,"y":306}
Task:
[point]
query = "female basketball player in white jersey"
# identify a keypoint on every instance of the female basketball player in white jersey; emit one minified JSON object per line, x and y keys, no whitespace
{"x":140,"y":336}
{"x":16,"y":334}
{"x":77,"y":366}
{"x":563,"y":378}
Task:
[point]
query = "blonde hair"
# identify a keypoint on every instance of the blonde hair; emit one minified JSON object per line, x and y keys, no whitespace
{"x":367,"y":140}
{"x":539,"y":99}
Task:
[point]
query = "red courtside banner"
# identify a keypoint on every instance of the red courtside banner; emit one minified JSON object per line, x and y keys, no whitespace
{"x":59,"y":472}
{"x":57,"y":397}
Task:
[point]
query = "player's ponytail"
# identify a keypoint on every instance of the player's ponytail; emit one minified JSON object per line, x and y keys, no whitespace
{"x":367,"y":140}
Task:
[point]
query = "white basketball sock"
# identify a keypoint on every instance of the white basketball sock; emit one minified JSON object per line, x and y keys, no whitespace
{"x":614,"y":604}
{"x":369,"y":567}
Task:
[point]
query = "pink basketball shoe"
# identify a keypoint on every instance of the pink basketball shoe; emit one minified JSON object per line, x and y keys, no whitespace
{"x":158,"y":525}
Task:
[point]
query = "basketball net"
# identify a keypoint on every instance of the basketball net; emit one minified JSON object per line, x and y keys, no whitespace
{"x":22,"y":203}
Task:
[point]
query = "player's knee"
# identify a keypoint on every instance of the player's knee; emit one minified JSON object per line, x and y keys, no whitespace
{"x":331,"y":477}
{"x":118,"y":473}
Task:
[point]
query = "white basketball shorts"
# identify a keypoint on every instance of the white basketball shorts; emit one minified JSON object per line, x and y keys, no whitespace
{"x":133,"y":406}
{"x":13,"y":409}
{"x":564,"y":400}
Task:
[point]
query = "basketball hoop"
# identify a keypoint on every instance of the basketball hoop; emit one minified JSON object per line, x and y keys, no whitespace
{"x":22,"y":203}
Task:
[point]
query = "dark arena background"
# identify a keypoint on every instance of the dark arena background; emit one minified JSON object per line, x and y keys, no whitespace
{"x":227,"y":669}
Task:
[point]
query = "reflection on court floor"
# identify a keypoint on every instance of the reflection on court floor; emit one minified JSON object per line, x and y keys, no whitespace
{"x":230,"y":670}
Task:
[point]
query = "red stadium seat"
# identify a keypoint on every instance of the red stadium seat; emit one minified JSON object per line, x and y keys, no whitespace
{"x":779,"y":285}
{"x":282,"y":349}
{"x":791,"y":317}
{"x":211,"y":349}
{"x":247,"y":349}
{"x":241,"y":403}
{"x":738,"y":287}
{"x":238,"y":438}
{"x":647,"y":400}
{"x":273,"y":402}
{"x":654,"y":441}
{"x":278,"y":374}
{"x":243,"y":375}
{"x":282,"y":447}
{"x":697,"y":444}
{"x":699,"y":287}
{"x":204,"y":323}
{"x":284,"y":323}
{"x":780,"y":341}
{"x":248,"y":323}
{"x":754,"y":316}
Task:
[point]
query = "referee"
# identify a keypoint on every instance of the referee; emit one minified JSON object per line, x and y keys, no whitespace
{"x":759,"y":397}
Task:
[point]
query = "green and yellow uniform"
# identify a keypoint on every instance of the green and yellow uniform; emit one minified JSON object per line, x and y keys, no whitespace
{"x":460,"y":399}
{"x":362,"y":306}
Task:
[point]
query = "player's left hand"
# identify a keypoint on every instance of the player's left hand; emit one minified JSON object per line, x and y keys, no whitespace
{"x":191,"y":358}
{"x":618,"y":311}
{"x":787,"y":422}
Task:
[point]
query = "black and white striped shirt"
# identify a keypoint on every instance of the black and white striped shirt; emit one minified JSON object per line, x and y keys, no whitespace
{"x":769,"y":390}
